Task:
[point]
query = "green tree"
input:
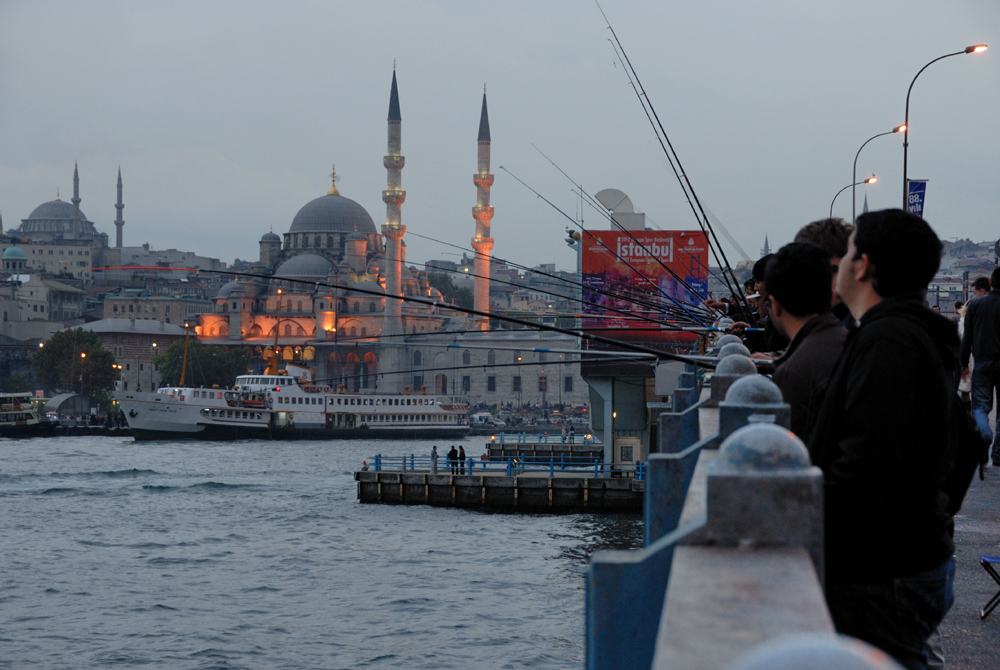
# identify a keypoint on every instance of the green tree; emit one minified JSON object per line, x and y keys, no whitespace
{"x":75,"y":361}
{"x":462,"y":297}
{"x":206,"y":364}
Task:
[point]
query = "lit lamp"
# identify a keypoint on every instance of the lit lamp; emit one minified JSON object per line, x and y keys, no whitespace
{"x":854,"y":175}
{"x":870,"y":180}
{"x":151,"y":386}
{"x":974,"y":49}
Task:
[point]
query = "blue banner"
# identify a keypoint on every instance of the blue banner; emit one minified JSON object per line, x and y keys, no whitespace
{"x":915,"y":196}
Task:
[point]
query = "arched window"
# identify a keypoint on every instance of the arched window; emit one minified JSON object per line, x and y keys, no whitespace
{"x":364,"y":332}
{"x":287,"y":354}
{"x":354,"y":331}
{"x":288,"y":329}
{"x":417,"y":358}
{"x":491,"y":358}
{"x":305,"y":240}
{"x":329,"y":241}
{"x":309,"y":353}
{"x":224,"y":330}
{"x":256,"y":331}
{"x":300,"y":305}
{"x":319,"y":241}
{"x":371,"y":306}
{"x":289,"y":305}
{"x":300,"y":331}
{"x":466,"y":358}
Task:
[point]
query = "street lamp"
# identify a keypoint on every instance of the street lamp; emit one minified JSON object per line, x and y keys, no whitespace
{"x":151,"y":363}
{"x":854,"y":175}
{"x":974,"y":49}
{"x":83,"y":359}
{"x":870,"y":180}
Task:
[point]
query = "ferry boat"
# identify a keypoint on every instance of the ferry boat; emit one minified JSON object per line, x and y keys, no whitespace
{"x":276,"y":406}
{"x":19,"y":417}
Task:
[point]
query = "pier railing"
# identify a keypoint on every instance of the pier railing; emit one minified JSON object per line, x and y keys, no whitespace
{"x":509,"y":466}
{"x":733,"y":553}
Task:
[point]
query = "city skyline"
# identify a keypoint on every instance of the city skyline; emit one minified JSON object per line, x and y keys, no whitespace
{"x":225,"y":118}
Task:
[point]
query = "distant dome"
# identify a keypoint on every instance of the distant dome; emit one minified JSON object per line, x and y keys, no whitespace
{"x":270,"y":237}
{"x":227,"y":289}
{"x":356,"y":236}
{"x":332,"y":214}
{"x":304,"y":266}
{"x":14,"y":254}
{"x":55,"y":210}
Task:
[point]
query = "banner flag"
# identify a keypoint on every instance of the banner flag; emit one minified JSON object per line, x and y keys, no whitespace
{"x":916,"y":189}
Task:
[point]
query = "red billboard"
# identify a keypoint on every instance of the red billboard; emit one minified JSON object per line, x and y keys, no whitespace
{"x":634,"y":279}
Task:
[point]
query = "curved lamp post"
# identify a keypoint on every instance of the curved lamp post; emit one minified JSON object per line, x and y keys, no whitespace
{"x":870,"y":180}
{"x":974,"y":49}
{"x":854,"y":174}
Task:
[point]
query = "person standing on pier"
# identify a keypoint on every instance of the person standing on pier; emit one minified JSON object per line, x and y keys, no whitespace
{"x":885,"y":441}
{"x":461,"y":460}
{"x":981,"y":339}
{"x":434,"y":460}
{"x":453,"y":460}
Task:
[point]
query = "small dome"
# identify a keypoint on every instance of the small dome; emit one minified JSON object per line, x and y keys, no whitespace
{"x":332,"y":214}
{"x":14,"y":254}
{"x":227,"y":289}
{"x":368,"y":286}
{"x":354,"y":237}
{"x":304,"y":266}
{"x":270,"y":237}
{"x":55,"y":209}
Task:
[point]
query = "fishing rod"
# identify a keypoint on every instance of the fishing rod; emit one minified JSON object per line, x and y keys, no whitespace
{"x":683,"y":178}
{"x":601,"y":242}
{"x":442,"y":305}
{"x":591,"y":200}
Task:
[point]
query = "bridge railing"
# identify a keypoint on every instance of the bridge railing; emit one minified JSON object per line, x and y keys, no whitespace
{"x":733,"y":551}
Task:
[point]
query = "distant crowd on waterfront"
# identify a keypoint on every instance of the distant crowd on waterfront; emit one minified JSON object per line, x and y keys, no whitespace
{"x":880,"y":387}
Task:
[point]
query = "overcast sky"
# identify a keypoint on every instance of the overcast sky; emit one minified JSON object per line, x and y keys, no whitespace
{"x":226,"y":116}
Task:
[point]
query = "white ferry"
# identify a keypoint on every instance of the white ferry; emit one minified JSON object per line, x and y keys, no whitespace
{"x":19,"y":418}
{"x":289,"y":406}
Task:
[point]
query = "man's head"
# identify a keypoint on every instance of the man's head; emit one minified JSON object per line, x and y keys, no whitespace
{"x":995,"y":278}
{"x":830,"y":235}
{"x":980,"y":287}
{"x":890,"y":253}
{"x":797,"y":281}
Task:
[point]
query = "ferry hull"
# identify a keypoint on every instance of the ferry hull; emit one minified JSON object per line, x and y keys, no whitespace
{"x":215,"y":433}
{"x":39,"y":429}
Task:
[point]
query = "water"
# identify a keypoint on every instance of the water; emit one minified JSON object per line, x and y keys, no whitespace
{"x":258,"y":555}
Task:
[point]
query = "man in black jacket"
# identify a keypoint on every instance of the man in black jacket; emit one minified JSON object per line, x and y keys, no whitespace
{"x":982,"y":339}
{"x":798,"y":285}
{"x":884,"y":442}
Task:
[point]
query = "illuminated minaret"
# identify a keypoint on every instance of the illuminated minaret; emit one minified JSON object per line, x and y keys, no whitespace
{"x":393,"y":230}
{"x":119,"y":221}
{"x":482,"y":243}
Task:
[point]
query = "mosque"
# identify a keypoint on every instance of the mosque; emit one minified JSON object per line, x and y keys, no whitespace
{"x":325,"y":299}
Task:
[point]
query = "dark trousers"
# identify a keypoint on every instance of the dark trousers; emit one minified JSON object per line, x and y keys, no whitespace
{"x":896,"y":615}
{"x":985,"y":380}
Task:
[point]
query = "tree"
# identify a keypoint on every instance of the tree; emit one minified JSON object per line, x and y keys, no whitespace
{"x":462,"y":296}
{"x":75,"y":361}
{"x":206,"y":364}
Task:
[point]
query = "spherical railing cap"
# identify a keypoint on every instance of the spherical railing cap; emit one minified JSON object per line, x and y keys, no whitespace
{"x":733,"y":348}
{"x":815,"y":651}
{"x":725,"y":322}
{"x":735,"y":366}
{"x":727,"y":339}
{"x":762,"y":447}
{"x":755,"y":390}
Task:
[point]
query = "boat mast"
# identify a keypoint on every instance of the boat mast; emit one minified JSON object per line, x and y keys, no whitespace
{"x":184,"y":361}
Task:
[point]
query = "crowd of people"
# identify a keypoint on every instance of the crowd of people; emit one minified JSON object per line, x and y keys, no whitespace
{"x":872,"y":375}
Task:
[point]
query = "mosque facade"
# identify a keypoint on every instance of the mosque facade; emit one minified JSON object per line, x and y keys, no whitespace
{"x":331,"y":294}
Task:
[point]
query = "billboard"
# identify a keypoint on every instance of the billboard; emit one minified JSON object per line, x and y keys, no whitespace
{"x":633,"y":268}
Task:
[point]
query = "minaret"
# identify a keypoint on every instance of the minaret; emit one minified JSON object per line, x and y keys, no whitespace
{"x":393,"y":196}
{"x":76,"y":199}
{"x":767,"y":247}
{"x":119,"y":222}
{"x":482,"y":243}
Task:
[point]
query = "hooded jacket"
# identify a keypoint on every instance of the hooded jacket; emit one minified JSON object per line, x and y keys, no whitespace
{"x":885,"y":443}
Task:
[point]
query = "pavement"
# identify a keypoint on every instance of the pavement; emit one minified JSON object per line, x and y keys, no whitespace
{"x":971,"y":644}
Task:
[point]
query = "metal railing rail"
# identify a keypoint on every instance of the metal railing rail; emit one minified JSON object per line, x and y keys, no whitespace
{"x":509,"y":466}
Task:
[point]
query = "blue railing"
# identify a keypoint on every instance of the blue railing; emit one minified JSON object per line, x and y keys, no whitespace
{"x":509,"y":466}
{"x":541,"y":438}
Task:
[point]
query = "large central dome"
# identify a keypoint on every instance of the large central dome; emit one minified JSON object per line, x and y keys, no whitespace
{"x":54,"y":210}
{"x":332,"y":214}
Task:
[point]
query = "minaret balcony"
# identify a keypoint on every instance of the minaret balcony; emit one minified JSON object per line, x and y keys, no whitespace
{"x":394,"y":197}
{"x":394,"y":162}
{"x":482,"y":180}
{"x":482,"y":214}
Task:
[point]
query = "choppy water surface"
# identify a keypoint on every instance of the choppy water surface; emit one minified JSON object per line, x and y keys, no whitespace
{"x":258,"y":555}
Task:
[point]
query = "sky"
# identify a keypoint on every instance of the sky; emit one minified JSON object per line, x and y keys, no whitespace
{"x":226,"y":117}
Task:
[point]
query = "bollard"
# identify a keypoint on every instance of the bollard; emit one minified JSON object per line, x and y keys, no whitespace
{"x":729,"y":369}
{"x":562,"y":461}
{"x":378,"y":462}
{"x":726,"y":339}
{"x":752,"y":399}
{"x":502,"y":437}
{"x":471,"y":463}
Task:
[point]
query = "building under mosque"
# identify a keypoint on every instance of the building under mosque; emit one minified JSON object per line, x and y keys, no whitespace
{"x":324,"y":298}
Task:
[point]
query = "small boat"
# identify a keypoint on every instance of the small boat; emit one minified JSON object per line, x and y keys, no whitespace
{"x":19,"y":417}
{"x":290,"y":405}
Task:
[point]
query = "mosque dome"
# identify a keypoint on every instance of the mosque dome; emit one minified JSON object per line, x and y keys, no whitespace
{"x":353,"y":237}
{"x":14,"y":254}
{"x":54,"y":210}
{"x":227,"y":289}
{"x":332,"y":214}
{"x":270,"y":237}
{"x":305,"y":266}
